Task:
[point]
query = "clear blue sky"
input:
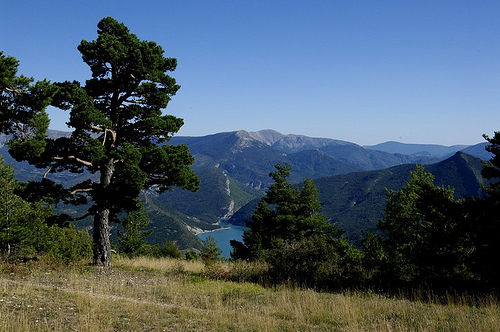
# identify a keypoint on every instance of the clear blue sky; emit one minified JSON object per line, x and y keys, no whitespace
{"x":361,"y":71}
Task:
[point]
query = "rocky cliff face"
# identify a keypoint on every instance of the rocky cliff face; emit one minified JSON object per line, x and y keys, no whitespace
{"x":291,"y":143}
{"x":267,"y":136}
{"x":296,"y":143}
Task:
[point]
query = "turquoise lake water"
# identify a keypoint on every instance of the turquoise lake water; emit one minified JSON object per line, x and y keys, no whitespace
{"x":223,"y":236}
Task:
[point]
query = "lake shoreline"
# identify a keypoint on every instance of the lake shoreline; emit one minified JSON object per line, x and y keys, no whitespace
{"x":223,"y":236}
{"x":213,"y":230}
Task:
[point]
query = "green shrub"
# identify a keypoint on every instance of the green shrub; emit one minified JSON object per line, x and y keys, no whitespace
{"x":132,"y":237}
{"x":168,"y":249}
{"x":191,"y":256}
{"x":68,"y":245}
{"x":210,"y":251}
{"x":216,"y":269}
{"x":315,"y":262}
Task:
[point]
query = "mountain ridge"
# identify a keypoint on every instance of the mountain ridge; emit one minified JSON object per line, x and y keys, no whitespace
{"x":356,"y":201}
{"x":234,"y":169}
{"x":416,"y":149}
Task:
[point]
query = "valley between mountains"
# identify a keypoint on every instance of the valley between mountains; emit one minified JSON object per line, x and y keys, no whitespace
{"x":234,"y":169}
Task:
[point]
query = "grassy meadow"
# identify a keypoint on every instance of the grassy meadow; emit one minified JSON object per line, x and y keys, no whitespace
{"x":146,"y":294}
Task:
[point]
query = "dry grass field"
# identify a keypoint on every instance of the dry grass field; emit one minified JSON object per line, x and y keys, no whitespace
{"x":169,"y":295}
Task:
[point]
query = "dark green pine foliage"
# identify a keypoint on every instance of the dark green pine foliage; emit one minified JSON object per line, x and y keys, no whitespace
{"x":491,"y":170}
{"x":288,"y":232}
{"x":22,"y":106}
{"x":485,"y":215}
{"x":118,"y":130}
{"x":132,"y":239}
{"x":425,"y":241}
{"x":285,"y":214}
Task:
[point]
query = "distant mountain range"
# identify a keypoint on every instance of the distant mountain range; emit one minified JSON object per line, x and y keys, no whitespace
{"x":234,"y":169}
{"x":249,"y":156}
{"x":417,"y":149}
{"x":356,"y":201}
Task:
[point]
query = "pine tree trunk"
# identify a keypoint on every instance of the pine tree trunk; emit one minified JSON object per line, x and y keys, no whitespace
{"x":102,"y":245}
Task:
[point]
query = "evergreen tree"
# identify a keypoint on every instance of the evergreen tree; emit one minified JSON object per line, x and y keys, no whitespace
{"x":118,"y":131}
{"x":491,"y":170}
{"x":132,"y":240}
{"x":424,"y":227}
{"x":210,"y":252}
{"x":12,"y":208}
{"x":484,"y":219}
{"x":20,"y":223}
{"x":22,"y":106}
{"x":285,"y":214}
{"x":24,"y":228}
{"x":288,"y":232}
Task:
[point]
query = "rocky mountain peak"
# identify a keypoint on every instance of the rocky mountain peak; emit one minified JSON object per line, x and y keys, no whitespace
{"x":267,"y":136}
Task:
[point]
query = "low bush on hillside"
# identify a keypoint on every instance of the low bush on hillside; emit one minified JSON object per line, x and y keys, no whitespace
{"x":66,"y":245}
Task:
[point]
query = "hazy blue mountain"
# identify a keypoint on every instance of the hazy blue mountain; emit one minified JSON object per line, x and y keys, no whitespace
{"x":250,"y":156}
{"x":478,"y":151}
{"x":371,"y":159}
{"x":416,"y":149}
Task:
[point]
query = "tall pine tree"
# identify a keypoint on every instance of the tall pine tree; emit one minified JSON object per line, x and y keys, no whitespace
{"x":118,"y":130}
{"x":285,"y":214}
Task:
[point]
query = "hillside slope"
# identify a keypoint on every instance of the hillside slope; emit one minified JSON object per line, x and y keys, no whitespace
{"x":356,"y":201}
{"x":234,"y":169}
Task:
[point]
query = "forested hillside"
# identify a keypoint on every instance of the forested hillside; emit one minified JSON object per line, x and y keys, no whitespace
{"x":356,"y":201}
{"x":234,"y":169}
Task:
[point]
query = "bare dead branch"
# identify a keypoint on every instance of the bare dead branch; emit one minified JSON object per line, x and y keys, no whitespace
{"x":13,"y":90}
{"x":104,"y":138}
{"x":97,"y":128}
{"x":47,"y":172}
{"x":81,"y":161}
{"x":135,"y":101}
{"x":105,"y":130}
{"x":81,"y":190}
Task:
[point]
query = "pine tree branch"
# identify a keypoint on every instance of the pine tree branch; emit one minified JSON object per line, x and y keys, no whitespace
{"x":13,"y":90}
{"x":81,"y":161}
{"x":105,"y":131}
{"x":46,"y":172}
{"x":81,"y":190}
